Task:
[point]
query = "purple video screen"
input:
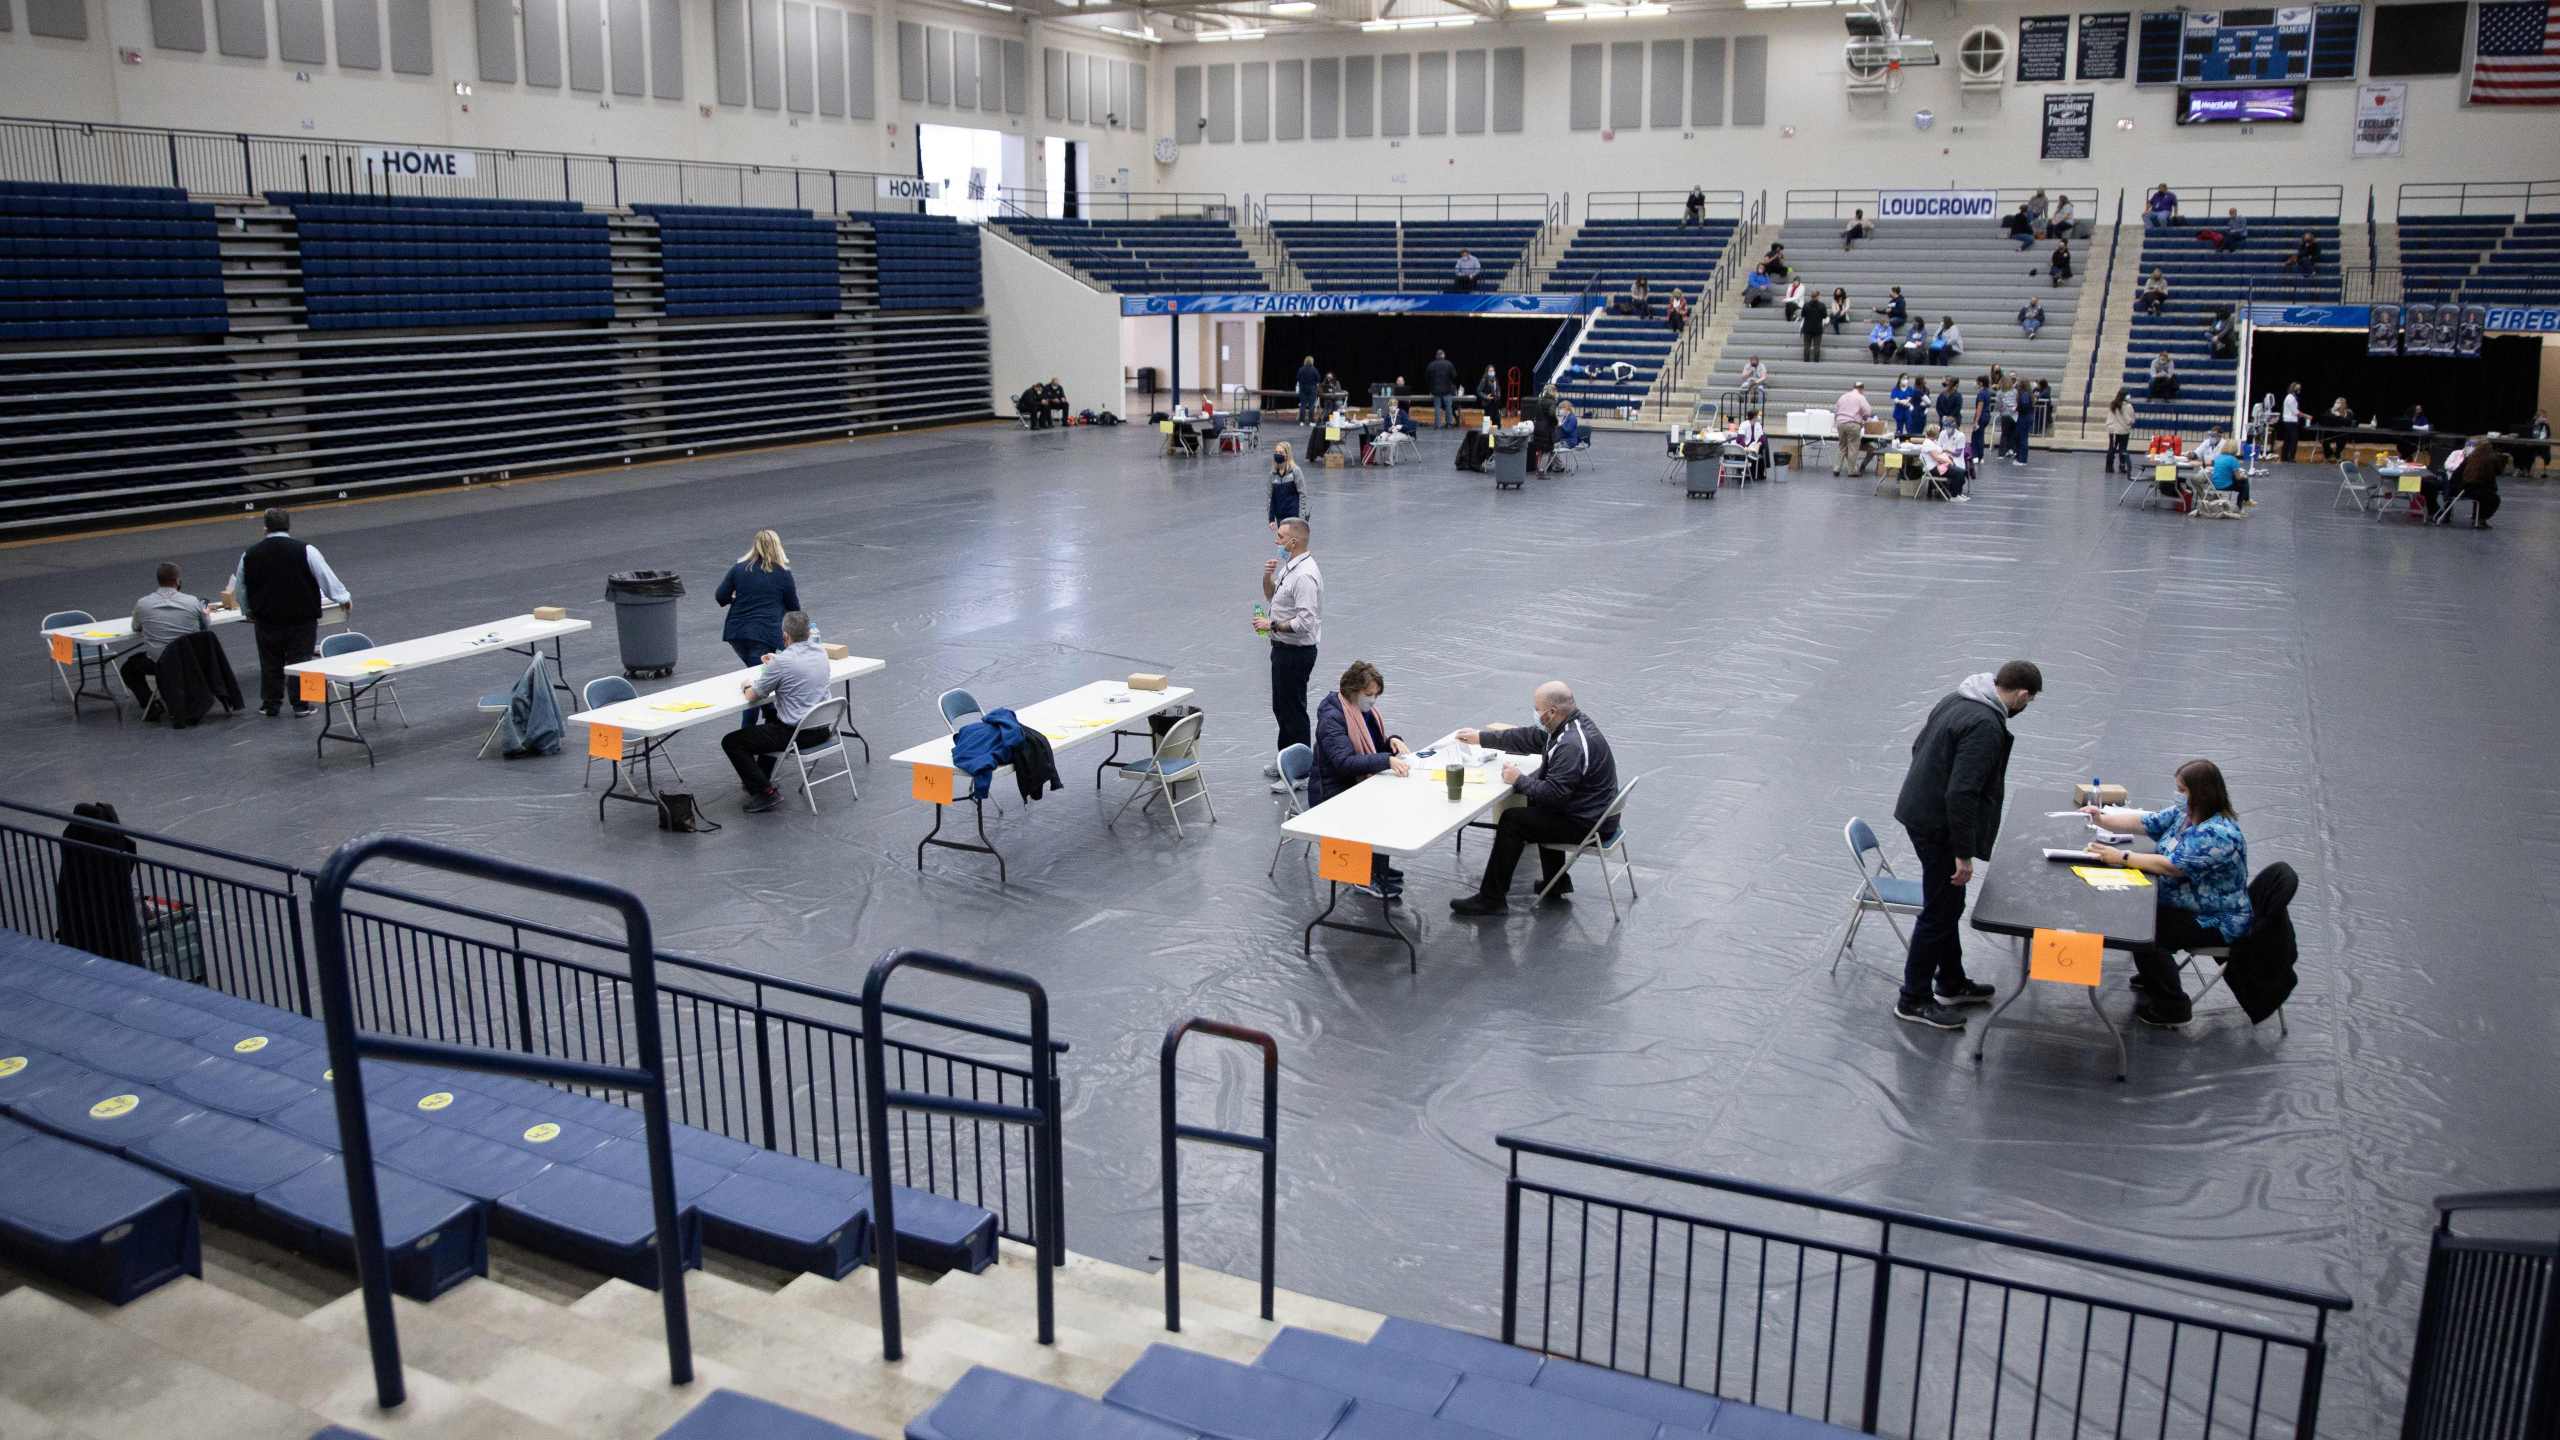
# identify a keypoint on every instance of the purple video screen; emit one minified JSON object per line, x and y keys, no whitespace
{"x":2278,"y":104}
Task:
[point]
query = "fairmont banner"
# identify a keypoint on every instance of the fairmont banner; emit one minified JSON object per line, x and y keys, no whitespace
{"x":1309,"y":302}
{"x":1937,"y":205}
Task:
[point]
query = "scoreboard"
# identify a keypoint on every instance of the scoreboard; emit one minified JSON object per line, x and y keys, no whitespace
{"x":2232,"y":47}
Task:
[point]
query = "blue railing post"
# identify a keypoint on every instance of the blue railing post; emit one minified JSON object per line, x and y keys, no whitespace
{"x":1170,"y":1133}
{"x":1879,"y":1319}
{"x":1511,"y":1253}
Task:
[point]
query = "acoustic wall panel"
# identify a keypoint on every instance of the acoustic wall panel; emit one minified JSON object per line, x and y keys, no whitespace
{"x":1395,"y":95}
{"x":240,"y":28}
{"x":799,"y":59}
{"x":1053,"y":83}
{"x":541,"y":42}
{"x":1289,"y":100}
{"x":1750,"y":80}
{"x":1706,"y":83}
{"x":1075,"y":89}
{"x":1626,"y":84}
{"x":991,"y":74}
{"x":175,"y":24}
{"x":910,"y":60}
{"x":830,"y":60}
{"x":1138,"y":97}
{"x":626,"y":31}
{"x":302,"y":32}
{"x":1359,"y":96}
{"x":1097,"y":89}
{"x":729,"y":49}
{"x":359,"y":26}
{"x":1510,"y":87}
{"x":666,"y":49}
{"x":1189,"y":118}
{"x":58,"y":19}
{"x":964,"y":71}
{"x":494,"y":21}
{"x":1669,"y":84}
{"x":861,"y":67}
{"x":1222,"y":104}
{"x":937,"y":65}
{"x":5,"y":21}
{"x":1255,"y":123}
{"x":764,"y":52}
{"x":1470,"y":88}
{"x":1118,"y":114}
{"x":1431,"y":93}
{"x":413,"y":36}
{"x":1583,"y":67}
{"x":1324,"y":98}
{"x":586,"y":46}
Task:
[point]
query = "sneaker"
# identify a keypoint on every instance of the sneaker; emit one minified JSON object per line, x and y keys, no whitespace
{"x":764,"y":802}
{"x":1479,"y":905}
{"x":301,"y":709}
{"x":270,"y":711}
{"x":1270,"y":772}
{"x":1959,"y":499}
{"x":1929,"y":1013}
{"x":1966,"y":992}
{"x":2150,"y":1012}
{"x":1279,"y":787}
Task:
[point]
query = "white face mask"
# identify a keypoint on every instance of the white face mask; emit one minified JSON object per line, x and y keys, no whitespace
{"x":1368,"y":703}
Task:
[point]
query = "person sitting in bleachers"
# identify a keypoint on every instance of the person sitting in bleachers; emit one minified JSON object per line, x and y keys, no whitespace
{"x":1895,"y":308}
{"x":2229,"y":235}
{"x":1463,"y":272}
{"x":1947,"y":346}
{"x":1839,"y":307}
{"x":1856,"y":230}
{"x":2160,"y":212}
{"x":2060,"y":224}
{"x":2164,"y":378}
{"x":1880,"y":341}
{"x":2023,"y":227}
{"x":2305,"y":258}
{"x":1693,"y":211}
{"x":1676,"y":314}
{"x":1915,"y":342}
{"x":1755,"y":382}
{"x":2154,"y":299}
{"x":1774,"y":264}
{"x":1756,"y":289}
{"x":2222,"y":338}
{"x":1794,"y":298}
{"x":1642,"y":294}
{"x":2059,"y":267}
{"x":2031,"y":317}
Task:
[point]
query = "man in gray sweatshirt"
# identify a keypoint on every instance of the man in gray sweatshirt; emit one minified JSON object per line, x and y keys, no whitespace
{"x":1950,"y":806}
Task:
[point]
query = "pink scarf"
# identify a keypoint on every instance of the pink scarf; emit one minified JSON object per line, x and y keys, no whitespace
{"x":1356,"y":722}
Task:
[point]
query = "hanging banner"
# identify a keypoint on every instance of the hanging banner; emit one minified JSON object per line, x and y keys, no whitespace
{"x":2381,"y":112}
{"x":2104,"y":39}
{"x":1937,"y":205}
{"x":2044,"y":44}
{"x":908,"y":187}
{"x":2382,"y":333}
{"x":2067,"y":117}
{"x":443,"y":164}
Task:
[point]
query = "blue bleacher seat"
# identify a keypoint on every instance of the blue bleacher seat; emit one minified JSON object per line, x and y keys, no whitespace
{"x":151,"y":1059}
{"x":558,"y":1141}
{"x":435,"y":1238}
{"x":315,"y":1118}
{"x":1370,"y":1420}
{"x":107,"y":1111}
{"x":1473,"y":1354}
{"x":1750,"y":1422}
{"x":236,"y":1088}
{"x":1213,"y":1397}
{"x":627,"y":1160}
{"x":991,"y":1405}
{"x":177,"y":1019}
{"x":464,"y":1163}
{"x":1363,"y":1372}
{"x":1670,"y":1404}
{"x":227,"y":1161}
{"x":1525,"y":1413}
{"x":786,"y":1226}
{"x":728,"y":1415}
{"x":108,"y":1226}
{"x":594,"y":1221}
{"x":64,"y":257}
{"x":933,"y":1229}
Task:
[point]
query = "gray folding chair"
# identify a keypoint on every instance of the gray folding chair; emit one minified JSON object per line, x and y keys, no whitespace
{"x":2353,"y":485}
{"x":1176,"y":762}
{"x":1295,"y":764}
{"x":613,"y":690}
{"x":958,"y":705}
{"x":346,"y":642}
{"x":1879,"y":889}
{"x":1608,"y":838}
{"x":827,"y":715}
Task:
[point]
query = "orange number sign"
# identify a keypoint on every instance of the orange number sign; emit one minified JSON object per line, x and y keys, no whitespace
{"x":2067,"y":956}
{"x":1345,"y":860}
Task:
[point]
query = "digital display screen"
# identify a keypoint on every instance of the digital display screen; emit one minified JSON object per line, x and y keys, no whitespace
{"x":2257,"y":105}
{"x":2215,"y":47}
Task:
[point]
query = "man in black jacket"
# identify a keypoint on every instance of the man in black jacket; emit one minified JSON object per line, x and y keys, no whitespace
{"x":1950,"y":806}
{"x":1441,"y":378}
{"x":1574,"y":784}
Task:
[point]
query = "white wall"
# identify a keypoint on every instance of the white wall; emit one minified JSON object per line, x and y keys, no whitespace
{"x":44,"y":78}
{"x":1041,"y":322}
{"x":1977,"y":139}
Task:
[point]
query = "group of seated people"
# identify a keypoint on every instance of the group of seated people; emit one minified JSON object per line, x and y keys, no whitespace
{"x":2040,"y":219}
{"x":2220,"y":463}
{"x":1043,"y":405}
{"x":1637,"y":301}
{"x":1918,"y":345}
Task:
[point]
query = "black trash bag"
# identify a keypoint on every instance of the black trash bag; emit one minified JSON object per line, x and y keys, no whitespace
{"x":643,"y":585}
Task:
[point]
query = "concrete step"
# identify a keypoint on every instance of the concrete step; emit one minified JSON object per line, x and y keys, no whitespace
{"x":833,"y":1363}
{"x":79,"y":1375}
{"x":946,"y":1334}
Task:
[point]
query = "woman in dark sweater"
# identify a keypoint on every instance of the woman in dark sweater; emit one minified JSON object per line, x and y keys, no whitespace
{"x":757,"y":592}
{"x":1348,"y":753}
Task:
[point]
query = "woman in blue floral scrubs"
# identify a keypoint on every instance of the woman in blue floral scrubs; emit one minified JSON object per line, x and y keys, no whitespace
{"x":2202,"y":872}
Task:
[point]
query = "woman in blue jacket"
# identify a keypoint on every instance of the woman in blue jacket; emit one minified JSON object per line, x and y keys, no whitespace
{"x":1906,"y":407}
{"x":1348,"y":753}
{"x":757,"y":592}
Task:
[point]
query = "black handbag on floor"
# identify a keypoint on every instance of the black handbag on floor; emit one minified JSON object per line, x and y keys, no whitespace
{"x":677,"y":811}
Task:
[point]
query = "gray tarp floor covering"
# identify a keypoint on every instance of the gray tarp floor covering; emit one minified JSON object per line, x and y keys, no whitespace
{"x":2380,"y":695}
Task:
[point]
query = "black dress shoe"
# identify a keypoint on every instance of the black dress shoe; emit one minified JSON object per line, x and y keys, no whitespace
{"x":1479,"y":905}
{"x":764,"y":802}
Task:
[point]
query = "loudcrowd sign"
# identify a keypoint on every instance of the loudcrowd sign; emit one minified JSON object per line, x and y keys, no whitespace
{"x":442,"y":164}
{"x":1937,"y":205}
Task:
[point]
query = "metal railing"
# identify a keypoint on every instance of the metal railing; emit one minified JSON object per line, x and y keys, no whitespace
{"x":2106,"y":288}
{"x":1479,"y":205}
{"x":187,"y":911}
{"x":2260,"y":201}
{"x":347,"y":1046}
{"x":1658,"y":204}
{"x":1887,"y":1320}
{"x":2509,"y":198}
{"x":1041,"y":1114}
{"x":1814,"y":203}
{"x":1171,"y":1132}
{"x":1033,"y":201}
{"x":208,"y":162}
{"x":1702,"y":318}
{"x":2487,"y":1364}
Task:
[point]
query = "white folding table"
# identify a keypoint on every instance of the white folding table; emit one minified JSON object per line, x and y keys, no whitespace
{"x":1083,"y":714}
{"x":655,"y":720}
{"x":342,"y":680}
{"x":100,"y":643}
{"x":1388,"y":814}
{"x":2400,"y":473}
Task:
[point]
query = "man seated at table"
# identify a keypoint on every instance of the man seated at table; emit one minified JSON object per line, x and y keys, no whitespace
{"x":1573,"y":787}
{"x":793,"y":682}
{"x":164,"y":615}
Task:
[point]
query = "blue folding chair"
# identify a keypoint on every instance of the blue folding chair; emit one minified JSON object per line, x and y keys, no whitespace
{"x":1879,"y":889}
{"x":1295,"y":764}
{"x":957,"y":706}
{"x":345,"y":642}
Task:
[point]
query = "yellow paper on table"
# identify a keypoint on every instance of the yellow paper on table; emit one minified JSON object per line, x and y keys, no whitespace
{"x":1474,"y":777}
{"x":2067,"y":956}
{"x":2165,"y":474}
{"x":375,"y":665}
{"x":933,"y":784}
{"x":63,"y":649}
{"x":1347,"y":861}
{"x":682,"y":707}
{"x":604,"y":742}
{"x":2411,"y":484}
{"x":1165,"y":425}
{"x":98,"y":634}
{"x":2107,"y":877}
{"x":315,"y":686}
{"x":1333,"y":433}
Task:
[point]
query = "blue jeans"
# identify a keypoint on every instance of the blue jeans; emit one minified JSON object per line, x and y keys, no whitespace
{"x":751,"y":652}
{"x":1444,"y":409}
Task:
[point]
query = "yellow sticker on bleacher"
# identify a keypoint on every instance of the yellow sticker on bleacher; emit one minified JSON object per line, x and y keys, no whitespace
{"x":250,"y":1046}
{"x":12,"y":1064}
{"x":437,"y":1101}
{"x":543,"y":1134}
{"x":113,"y":1106}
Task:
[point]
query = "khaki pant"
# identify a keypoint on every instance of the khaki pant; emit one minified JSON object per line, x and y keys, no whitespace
{"x":1853,"y":438}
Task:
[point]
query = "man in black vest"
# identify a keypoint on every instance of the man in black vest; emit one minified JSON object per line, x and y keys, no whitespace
{"x":281,"y":585}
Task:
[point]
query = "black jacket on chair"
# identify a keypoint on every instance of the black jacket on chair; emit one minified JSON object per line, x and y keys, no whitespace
{"x":2261,"y":969}
{"x":195,"y":673}
{"x":1035,"y":765}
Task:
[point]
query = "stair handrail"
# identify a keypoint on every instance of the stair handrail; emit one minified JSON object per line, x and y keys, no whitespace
{"x":1171,"y":1133}
{"x":347,"y":1046}
{"x":1048,"y":1203}
{"x":2106,"y":291}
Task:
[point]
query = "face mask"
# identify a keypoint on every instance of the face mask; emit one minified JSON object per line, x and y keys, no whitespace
{"x":1368,"y":703}
{"x":1283,"y":548}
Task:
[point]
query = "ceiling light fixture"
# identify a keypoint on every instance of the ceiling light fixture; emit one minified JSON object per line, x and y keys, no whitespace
{"x":1211,"y":36}
{"x":1558,"y":17}
{"x":1378,"y":27}
{"x":1531,"y":5}
{"x":1294,"y":7}
{"x":1145,"y":38}
{"x":1455,"y":22}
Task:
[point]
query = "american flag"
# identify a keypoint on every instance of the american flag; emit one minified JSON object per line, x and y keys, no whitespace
{"x":2517,"y":60}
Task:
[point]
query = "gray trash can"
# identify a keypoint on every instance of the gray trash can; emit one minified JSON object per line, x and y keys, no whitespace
{"x":644,"y":619}
{"x":1510,"y":462}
